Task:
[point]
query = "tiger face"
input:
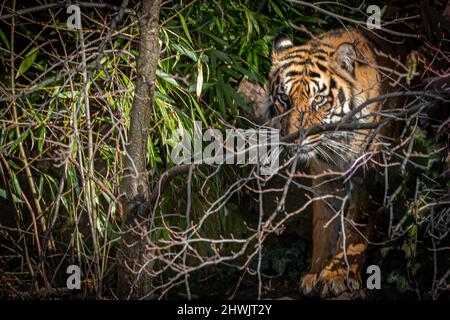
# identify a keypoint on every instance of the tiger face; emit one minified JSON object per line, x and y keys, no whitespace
{"x":319,"y":83}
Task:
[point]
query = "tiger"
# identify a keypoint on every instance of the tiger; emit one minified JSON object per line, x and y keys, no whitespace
{"x":323,"y":82}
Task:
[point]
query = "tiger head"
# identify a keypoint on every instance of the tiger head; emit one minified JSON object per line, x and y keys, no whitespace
{"x":316,"y":84}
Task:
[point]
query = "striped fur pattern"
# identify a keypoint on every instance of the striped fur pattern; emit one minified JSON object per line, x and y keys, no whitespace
{"x":320,"y":83}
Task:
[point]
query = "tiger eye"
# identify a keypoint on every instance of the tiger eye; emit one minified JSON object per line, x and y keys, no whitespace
{"x":284,"y":97}
{"x":318,"y":99}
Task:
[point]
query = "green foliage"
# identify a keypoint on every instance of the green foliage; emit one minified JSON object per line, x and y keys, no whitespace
{"x":207,"y":48}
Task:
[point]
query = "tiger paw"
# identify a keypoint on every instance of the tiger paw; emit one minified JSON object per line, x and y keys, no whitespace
{"x":336,"y":279}
{"x":308,"y":284}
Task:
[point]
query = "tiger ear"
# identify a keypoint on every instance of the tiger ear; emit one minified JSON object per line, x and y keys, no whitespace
{"x":281,"y":43}
{"x":345,"y":56}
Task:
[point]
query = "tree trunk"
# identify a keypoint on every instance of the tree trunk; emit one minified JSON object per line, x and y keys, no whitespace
{"x":134,"y":282}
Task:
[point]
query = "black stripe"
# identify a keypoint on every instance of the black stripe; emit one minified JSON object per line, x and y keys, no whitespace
{"x":316,"y":83}
{"x":351,"y":104}
{"x":321,"y":58}
{"x":313,"y":74}
{"x":298,"y":51}
{"x":319,"y":51}
{"x":274,"y":84}
{"x":300,"y":120}
{"x":341,"y":97}
{"x":298,"y":62}
{"x":294,"y":56}
{"x":332,"y":84}
{"x":286,"y":65}
{"x":321,"y":67}
{"x":293,"y":74}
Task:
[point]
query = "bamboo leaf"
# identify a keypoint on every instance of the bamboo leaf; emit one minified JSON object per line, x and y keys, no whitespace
{"x":166,"y":77}
{"x":185,"y":28}
{"x":27,"y":61}
{"x":4,"y":39}
{"x":199,"y":86}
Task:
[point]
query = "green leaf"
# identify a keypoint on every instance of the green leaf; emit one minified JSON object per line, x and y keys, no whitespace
{"x":28,"y":61}
{"x":222,"y":56}
{"x":166,"y":77}
{"x":219,"y":94}
{"x":5,"y":39}
{"x":245,"y":72}
{"x":185,"y":51}
{"x":185,"y":28}
{"x":4,"y":195}
{"x":163,"y":97}
{"x":41,"y":139}
{"x":276,"y":9}
{"x":249,"y":25}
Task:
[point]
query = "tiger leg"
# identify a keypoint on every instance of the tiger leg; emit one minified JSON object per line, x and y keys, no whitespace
{"x":342,"y":273}
{"x":325,"y":238}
